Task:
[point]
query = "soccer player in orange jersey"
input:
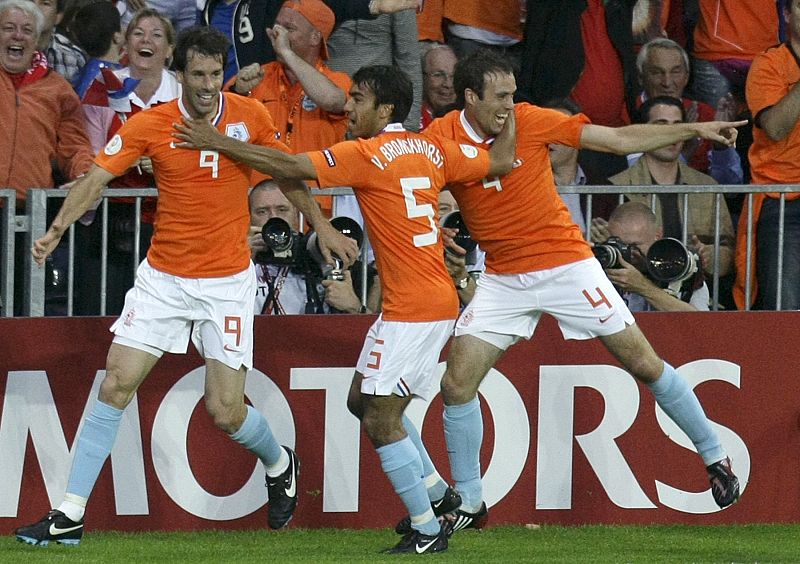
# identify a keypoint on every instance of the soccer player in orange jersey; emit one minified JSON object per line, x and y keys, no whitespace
{"x":197,"y":279}
{"x":396,"y":176}
{"x":538,"y":262}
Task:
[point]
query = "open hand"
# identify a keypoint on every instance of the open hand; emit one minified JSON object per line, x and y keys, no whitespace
{"x":197,"y":134}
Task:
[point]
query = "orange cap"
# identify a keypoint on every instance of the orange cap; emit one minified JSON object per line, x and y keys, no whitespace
{"x":318,"y":14}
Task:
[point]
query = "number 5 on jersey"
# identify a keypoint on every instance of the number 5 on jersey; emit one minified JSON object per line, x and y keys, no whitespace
{"x":414,"y":210}
{"x":210,"y":159}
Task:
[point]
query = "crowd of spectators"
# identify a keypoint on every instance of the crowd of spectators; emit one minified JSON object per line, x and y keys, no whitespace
{"x":617,"y":61}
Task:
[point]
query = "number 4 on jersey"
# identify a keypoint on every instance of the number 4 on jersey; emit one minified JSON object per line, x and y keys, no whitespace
{"x":489,"y":183}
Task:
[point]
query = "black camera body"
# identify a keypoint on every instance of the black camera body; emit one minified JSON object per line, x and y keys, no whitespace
{"x":463,"y":239}
{"x":286,"y":247}
{"x":608,"y":254}
{"x":669,"y":263}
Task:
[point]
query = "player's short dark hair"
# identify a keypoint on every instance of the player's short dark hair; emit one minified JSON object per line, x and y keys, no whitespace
{"x":93,"y":27}
{"x":203,"y":40}
{"x":643,"y":115}
{"x":390,"y":85}
{"x":472,"y":69}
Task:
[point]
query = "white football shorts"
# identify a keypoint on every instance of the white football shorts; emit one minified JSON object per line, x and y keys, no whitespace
{"x":401,"y":358}
{"x":507,"y":307}
{"x":163,"y":311}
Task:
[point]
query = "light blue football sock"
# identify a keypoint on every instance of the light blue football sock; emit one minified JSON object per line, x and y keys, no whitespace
{"x":256,"y":436}
{"x":433,"y":481}
{"x":679,"y":401}
{"x":93,"y":447}
{"x":403,"y":466}
{"x":463,"y":431}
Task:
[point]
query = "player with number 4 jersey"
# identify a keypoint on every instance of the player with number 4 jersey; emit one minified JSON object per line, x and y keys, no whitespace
{"x":537,"y":262}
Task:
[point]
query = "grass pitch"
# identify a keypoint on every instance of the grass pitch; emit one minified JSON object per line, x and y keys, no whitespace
{"x":634,"y":544}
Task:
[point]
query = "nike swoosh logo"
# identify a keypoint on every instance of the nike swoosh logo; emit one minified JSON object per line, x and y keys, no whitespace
{"x":290,"y":491}
{"x":420,"y":548}
{"x":59,"y":531}
{"x":604,"y":319}
{"x":437,"y":504}
{"x":227,"y":348}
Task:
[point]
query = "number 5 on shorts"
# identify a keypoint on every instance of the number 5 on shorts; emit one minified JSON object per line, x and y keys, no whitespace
{"x":376,"y":365}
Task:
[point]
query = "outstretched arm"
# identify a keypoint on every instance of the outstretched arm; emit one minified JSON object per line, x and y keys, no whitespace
{"x":647,"y":137}
{"x":83,"y":193}
{"x":200,"y":134}
{"x":502,"y":152}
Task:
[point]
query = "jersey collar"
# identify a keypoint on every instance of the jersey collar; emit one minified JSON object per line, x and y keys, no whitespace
{"x":393,"y":128}
{"x":218,"y":115}
{"x":471,"y":133}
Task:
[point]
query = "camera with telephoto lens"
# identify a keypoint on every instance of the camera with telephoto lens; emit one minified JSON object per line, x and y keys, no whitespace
{"x":608,"y":254}
{"x":454,"y":220}
{"x":669,"y":261}
{"x":301,"y":252}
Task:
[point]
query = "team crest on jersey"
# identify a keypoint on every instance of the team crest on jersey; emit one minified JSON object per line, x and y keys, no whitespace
{"x":329,"y":158}
{"x":114,"y":146}
{"x":469,"y":151}
{"x":308,"y":104}
{"x":238,"y":131}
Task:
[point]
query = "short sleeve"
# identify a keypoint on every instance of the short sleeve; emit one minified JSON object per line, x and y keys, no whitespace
{"x":340,"y":164}
{"x":124,"y":149}
{"x":543,"y":125}
{"x":766,"y":83}
{"x":463,"y":162}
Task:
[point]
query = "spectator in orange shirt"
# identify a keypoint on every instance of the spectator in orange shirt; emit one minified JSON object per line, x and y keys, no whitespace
{"x":304,"y":96}
{"x":42,"y":122}
{"x":773,"y":96}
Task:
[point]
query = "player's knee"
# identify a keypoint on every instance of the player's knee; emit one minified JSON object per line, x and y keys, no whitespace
{"x":646,"y":368}
{"x":226,"y":417}
{"x":113,"y":389}
{"x":456,"y":389}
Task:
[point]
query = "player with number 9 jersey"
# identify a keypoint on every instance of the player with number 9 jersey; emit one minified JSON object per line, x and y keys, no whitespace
{"x":396,"y":177}
{"x":202,"y":217}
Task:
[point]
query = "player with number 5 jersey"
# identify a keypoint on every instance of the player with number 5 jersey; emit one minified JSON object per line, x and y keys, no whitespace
{"x":396,"y":176}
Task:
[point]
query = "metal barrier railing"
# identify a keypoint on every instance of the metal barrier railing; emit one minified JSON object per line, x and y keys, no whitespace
{"x":8,"y":201}
{"x":34,"y":226}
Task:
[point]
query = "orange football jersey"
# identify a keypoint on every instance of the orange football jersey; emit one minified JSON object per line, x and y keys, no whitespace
{"x":396,"y":177}
{"x":202,"y":217}
{"x":519,"y":220}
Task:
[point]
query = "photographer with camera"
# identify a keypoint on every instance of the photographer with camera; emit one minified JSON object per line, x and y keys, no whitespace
{"x":290,"y":279}
{"x":633,"y":230}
